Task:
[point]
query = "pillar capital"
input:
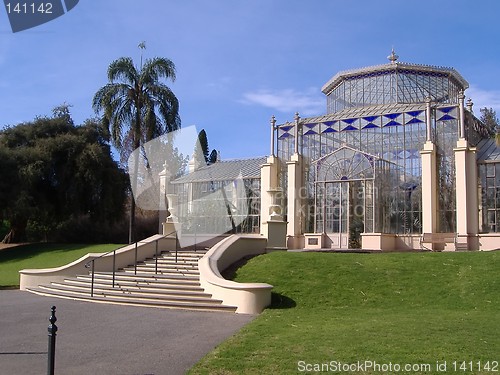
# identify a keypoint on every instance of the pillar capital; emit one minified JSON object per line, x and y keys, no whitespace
{"x":461,"y":95}
{"x":469,"y":105}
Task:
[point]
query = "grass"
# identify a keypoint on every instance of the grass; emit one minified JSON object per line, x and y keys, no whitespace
{"x":41,"y":256}
{"x":399,"y":308}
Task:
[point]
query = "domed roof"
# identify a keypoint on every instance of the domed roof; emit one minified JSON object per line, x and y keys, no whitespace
{"x":395,"y":66}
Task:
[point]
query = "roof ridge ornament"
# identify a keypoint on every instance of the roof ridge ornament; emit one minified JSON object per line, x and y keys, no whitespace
{"x":393,"y":57}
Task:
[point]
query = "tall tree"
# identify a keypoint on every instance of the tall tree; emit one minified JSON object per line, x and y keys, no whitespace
{"x":210,"y":157}
{"x":55,"y":171}
{"x":137,"y":107}
{"x":490,"y":119}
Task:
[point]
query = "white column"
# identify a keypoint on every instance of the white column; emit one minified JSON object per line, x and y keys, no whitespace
{"x":429,"y":178}
{"x":272,"y":225}
{"x":467,"y":208}
{"x":268,"y":183}
{"x":295,"y":214}
{"x":429,"y":188}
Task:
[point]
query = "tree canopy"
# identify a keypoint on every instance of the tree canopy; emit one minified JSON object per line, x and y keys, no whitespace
{"x":210,"y":157}
{"x":136,"y":105}
{"x":53,"y":172}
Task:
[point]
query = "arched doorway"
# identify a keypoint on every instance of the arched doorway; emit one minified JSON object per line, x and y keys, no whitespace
{"x":344,"y":196}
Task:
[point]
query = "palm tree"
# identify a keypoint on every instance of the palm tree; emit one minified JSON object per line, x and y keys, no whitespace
{"x":137,"y":107}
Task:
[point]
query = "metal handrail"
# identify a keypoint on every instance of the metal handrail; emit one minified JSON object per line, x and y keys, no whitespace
{"x":92,"y":261}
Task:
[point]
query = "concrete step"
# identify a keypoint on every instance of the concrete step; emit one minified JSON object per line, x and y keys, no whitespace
{"x":127,"y":282}
{"x":180,"y":266}
{"x":171,"y":258}
{"x":147,"y":276}
{"x":180,"y":253}
{"x":166,"y":289}
{"x":169,"y":282}
{"x":172,"y":263}
{"x":213,"y":305}
{"x":151,"y":272}
{"x":126,"y":292}
{"x":143,"y":268}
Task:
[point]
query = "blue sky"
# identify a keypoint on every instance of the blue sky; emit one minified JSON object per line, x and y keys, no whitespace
{"x":240,"y":62}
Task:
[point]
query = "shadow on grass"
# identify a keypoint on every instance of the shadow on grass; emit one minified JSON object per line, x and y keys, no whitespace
{"x":231,"y":272}
{"x":279,"y":301}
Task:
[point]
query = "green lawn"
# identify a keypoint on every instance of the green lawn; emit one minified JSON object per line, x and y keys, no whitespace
{"x":391,"y":308}
{"x":41,"y":256}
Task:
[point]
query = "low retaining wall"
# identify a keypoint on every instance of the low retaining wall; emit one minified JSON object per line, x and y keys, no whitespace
{"x":124,"y":257}
{"x":249,"y":298}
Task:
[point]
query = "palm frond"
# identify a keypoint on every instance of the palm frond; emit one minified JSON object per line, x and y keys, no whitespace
{"x":157,"y":68}
{"x":123,"y":69}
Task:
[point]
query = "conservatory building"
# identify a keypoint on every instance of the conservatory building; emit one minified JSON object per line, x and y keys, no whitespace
{"x":392,"y":165}
{"x":399,"y":161}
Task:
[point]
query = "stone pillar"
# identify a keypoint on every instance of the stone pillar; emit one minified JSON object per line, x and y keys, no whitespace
{"x":467,"y":209}
{"x":272,"y":225}
{"x":429,"y":188}
{"x":429,"y":177}
{"x":268,"y":182}
{"x":295,"y":214}
{"x":274,"y":228}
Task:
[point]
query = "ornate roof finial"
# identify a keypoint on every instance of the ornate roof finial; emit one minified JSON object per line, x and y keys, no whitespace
{"x":393,"y":57}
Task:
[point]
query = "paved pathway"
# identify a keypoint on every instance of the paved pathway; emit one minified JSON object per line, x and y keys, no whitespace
{"x":102,"y":339}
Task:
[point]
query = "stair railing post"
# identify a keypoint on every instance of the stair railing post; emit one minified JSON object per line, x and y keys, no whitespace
{"x":195,"y":240}
{"x":52,"y":342}
{"x":114,"y":264}
{"x":176,"y":246}
{"x":92,"y":282}
{"x":135,"y":266}
{"x":156,"y":257}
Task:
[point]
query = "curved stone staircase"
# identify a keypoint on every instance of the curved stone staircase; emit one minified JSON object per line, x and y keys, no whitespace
{"x":172,"y":283}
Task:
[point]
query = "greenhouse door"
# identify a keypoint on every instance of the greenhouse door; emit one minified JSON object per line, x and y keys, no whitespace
{"x":337,"y":213}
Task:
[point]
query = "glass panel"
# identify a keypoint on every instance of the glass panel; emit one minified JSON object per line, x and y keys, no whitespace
{"x":319,"y":208}
{"x":492,"y":220}
{"x":490,"y":170}
{"x":344,"y":207}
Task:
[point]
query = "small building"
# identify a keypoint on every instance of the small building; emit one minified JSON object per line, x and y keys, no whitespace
{"x":208,"y":192}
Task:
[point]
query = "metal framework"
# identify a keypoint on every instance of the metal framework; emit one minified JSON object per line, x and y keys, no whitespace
{"x":378,"y":111}
{"x":393,"y":83}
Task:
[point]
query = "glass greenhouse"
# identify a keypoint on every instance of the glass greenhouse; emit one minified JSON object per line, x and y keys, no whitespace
{"x":362,"y":164}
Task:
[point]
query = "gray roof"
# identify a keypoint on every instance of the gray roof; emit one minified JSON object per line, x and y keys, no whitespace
{"x":488,"y":151}
{"x":337,"y":78}
{"x":225,"y":170}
